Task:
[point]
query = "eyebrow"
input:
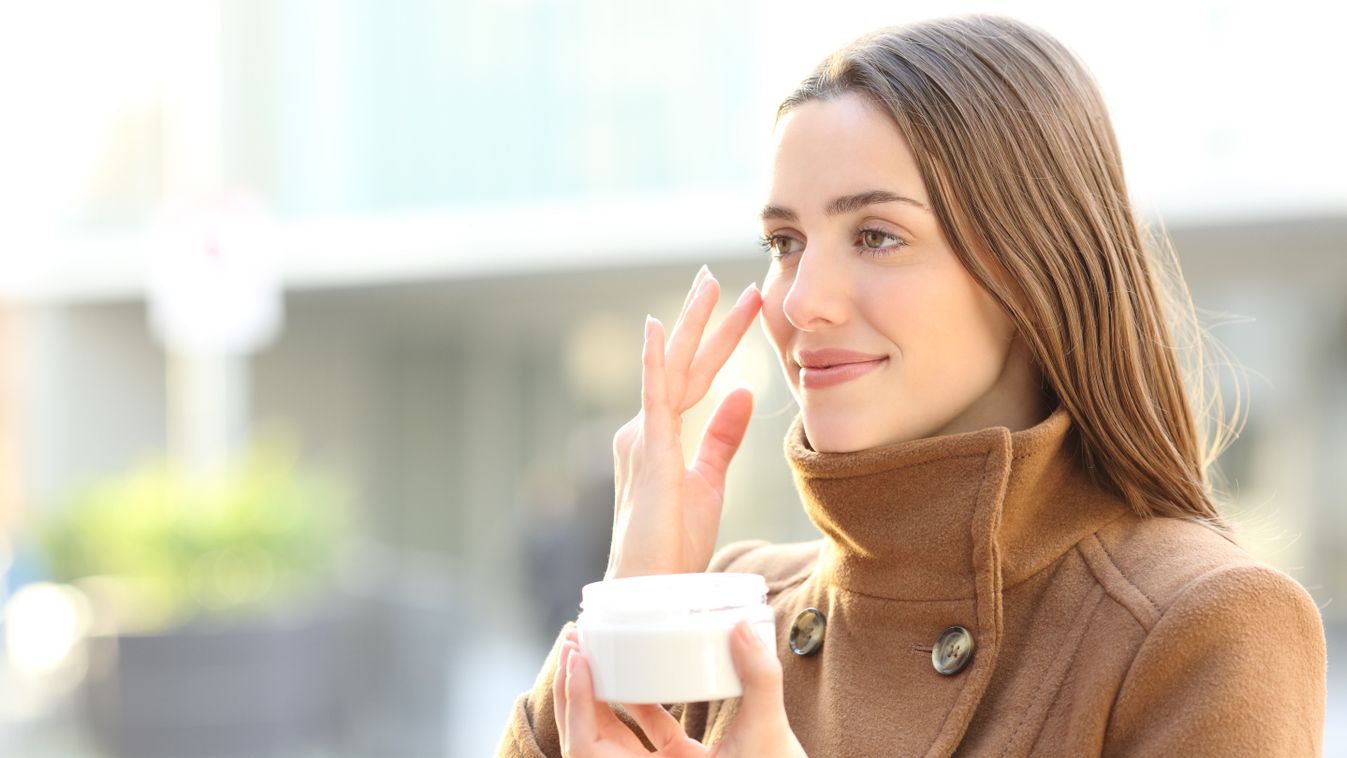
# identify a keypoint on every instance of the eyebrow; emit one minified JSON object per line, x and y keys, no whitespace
{"x":844,"y":204}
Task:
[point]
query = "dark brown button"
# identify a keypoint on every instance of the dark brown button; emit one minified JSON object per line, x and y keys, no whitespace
{"x":952,"y":651}
{"x":806,"y":634}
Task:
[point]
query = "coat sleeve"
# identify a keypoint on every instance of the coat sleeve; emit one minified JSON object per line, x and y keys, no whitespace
{"x":1235,"y":666}
{"x":531,"y":731}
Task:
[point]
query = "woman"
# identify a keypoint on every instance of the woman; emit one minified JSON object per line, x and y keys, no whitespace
{"x":1020,"y":550}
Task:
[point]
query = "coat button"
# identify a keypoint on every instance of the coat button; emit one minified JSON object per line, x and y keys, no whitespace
{"x":952,"y":651}
{"x":806,"y":634}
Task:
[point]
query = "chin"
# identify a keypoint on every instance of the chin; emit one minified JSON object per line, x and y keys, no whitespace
{"x":832,"y":429}
{"x":832,"y":432}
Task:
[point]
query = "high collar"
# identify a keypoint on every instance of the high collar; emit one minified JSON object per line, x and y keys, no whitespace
{"x":950,"y":517}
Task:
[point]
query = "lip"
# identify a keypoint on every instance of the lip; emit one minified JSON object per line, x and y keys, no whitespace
{"x":833,"y":356}
{"x":820,"y":377}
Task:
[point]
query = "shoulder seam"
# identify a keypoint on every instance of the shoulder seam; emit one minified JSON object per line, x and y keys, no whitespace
{"x":1123,"y":590}
{"x":1112,"y":561}
{"x":1188,"y":588}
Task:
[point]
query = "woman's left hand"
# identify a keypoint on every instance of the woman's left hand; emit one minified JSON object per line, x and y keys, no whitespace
{"x":589,"y":728}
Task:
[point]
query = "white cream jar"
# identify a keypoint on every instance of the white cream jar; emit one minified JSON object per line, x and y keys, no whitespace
{"x":665,"y":638}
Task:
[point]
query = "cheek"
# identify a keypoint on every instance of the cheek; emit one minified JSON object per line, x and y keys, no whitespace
{"x":905,"y":307}
{"x":986,"y":327}
{"x":968,"y":329}
{"x":939,"y":319}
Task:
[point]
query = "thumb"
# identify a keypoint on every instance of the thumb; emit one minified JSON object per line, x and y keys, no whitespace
{"x":760,"y":672}
{"x":724,"y":433}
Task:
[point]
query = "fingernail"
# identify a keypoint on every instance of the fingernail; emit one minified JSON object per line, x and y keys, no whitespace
{"x":743,"y":297}
{"x":697,"y":280}
{"x":649,"y":324}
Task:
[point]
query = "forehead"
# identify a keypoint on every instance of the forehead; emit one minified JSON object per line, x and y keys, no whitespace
{"x":831,"y":147}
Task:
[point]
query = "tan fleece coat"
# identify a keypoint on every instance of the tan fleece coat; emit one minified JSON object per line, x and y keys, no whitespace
{"x":1097,"y":632}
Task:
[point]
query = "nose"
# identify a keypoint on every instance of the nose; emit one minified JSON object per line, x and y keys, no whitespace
{"x":819,"y":294}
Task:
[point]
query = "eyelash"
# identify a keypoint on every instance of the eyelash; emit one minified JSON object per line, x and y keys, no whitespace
{"x":766,"y":243}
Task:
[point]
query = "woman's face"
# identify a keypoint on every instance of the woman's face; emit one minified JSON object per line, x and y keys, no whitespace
{"x":860,"y":264}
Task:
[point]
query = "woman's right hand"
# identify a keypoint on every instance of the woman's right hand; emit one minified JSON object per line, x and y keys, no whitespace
{"x":666,"y":515}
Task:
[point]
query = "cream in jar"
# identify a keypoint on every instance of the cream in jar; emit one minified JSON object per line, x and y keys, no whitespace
{"x":665,"y":638}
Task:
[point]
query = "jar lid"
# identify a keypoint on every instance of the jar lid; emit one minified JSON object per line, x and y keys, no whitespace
{"x":672,"y":594}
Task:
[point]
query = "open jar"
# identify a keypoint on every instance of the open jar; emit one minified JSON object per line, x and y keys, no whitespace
{"x":665,"y":638}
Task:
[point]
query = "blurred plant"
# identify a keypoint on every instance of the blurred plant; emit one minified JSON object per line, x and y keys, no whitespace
{"x":158,"y":546}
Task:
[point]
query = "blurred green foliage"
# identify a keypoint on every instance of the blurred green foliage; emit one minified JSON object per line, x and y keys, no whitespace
{"x":158,"y":546}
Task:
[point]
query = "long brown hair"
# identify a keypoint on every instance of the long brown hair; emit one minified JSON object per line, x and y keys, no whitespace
{"x":1016,"y":148}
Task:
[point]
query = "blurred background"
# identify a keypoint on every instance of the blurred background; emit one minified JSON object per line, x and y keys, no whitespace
{"x":317,"y":320}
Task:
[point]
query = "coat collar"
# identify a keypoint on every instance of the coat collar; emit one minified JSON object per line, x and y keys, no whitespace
{"x":951,"y":517}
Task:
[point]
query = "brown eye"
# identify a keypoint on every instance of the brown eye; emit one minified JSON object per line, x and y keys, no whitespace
{"x":875,"y":238}
{"x":776,"y":245}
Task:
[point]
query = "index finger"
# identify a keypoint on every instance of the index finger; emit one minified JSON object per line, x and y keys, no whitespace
{"x":722,"y":342}
{"x":696,"y":280}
